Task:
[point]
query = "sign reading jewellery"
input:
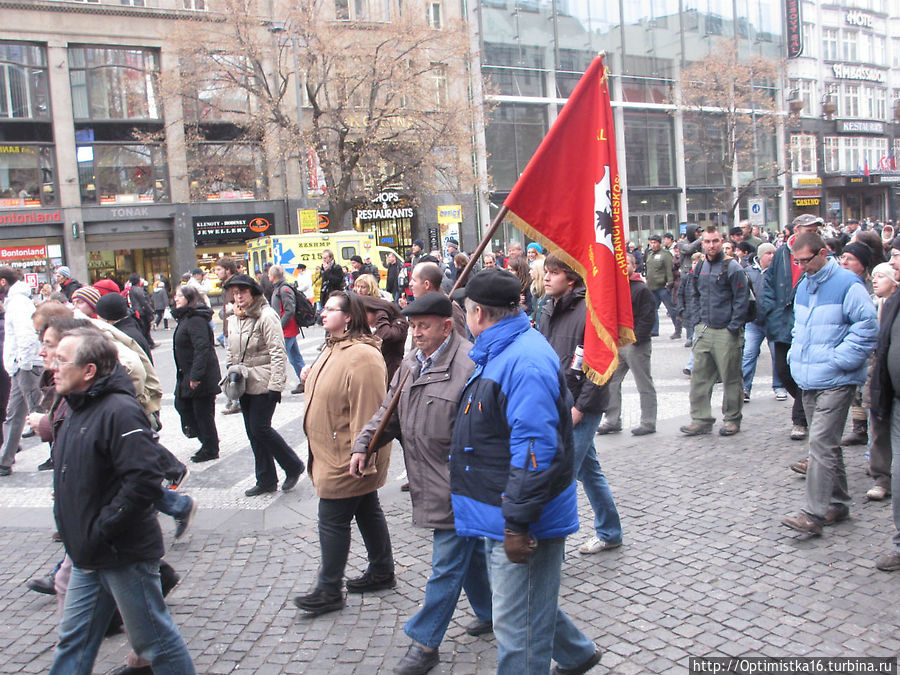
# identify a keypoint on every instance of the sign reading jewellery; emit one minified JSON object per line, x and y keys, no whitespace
{"x":211,"y":229}
{"x":844,"y":72}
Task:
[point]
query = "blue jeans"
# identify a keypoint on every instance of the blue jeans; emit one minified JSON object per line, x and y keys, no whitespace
{"x":753,"y":337}
{"x":664,"y":296}
{"x":293,"y":354}
{"x":173,"y":504}
{"x":92,"y":598}
{"x":456,"y":563}
{"x":529,"y":625}
{"x":588,"y":471}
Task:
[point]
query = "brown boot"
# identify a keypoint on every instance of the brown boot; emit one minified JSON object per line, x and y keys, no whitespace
{"x":859,"y":434}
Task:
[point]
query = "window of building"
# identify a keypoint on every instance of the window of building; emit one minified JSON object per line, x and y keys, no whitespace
{"x":227,"y":171}
{"x":512,"y":136}
{"x":24,"y":91}
{"x":805,"y":91}
{"x":650,"y":157}
{"x":850,"y":45}
{"x":114,"y":83}
{"x":810,"y":45}
{"x":803,"y":153}
{"x":515,"y":70}
{"x":434,"y":14}
{"x":704,"y":148}
{"x":895,"y":53}
{"x":851,"y":154}
{"x":112,"y":173}
{"x":879,"y":50}
{"x":439,"y":76}
{"x":832,"y":154}
{"x":849,"y":103}
{"x":196,"y":5}
{"x":362,"y":10}
{"x":830,"y":44}
{"x":27,"y":175}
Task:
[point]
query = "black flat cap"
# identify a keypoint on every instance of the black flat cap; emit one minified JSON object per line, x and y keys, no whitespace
{"x":434,"y":304}
{"x":112,"y":307}
{"x":493,"y":287}
{"x":244,"y":280}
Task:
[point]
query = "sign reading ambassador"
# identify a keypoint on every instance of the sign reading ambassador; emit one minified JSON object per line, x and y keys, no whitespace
{"x":214,"y":229}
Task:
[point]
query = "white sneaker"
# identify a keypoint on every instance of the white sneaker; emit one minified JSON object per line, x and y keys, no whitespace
{"x":877,"y":494}
{"x":781,"y":394}
{"x":595,"y":545}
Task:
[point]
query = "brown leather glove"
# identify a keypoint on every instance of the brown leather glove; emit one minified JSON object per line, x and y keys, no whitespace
{"x":518,"y":546}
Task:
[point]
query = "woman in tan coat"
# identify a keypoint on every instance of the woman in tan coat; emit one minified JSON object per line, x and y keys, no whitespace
{"x":255,"y":340}
{"x":344,"y":388}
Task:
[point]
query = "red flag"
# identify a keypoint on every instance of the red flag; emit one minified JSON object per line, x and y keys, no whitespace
{"x":569,"y":198}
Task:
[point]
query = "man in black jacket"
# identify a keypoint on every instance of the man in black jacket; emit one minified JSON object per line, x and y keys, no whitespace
{"x":636,"y":358}
{"x":106,"y":477}
{"x":332,"y":276}
{"x":113,"y":309}
{"x":562,"y":323}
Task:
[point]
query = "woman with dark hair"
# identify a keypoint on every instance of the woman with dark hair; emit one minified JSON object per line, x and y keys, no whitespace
{"x":196,"y":372}
{"x":519,"y":267}
{"x":139,"y":301}
{"x":392,"y":283}
{"x":256,"y":341}
{"x":386,"y":322}
{"x":344,"y":388}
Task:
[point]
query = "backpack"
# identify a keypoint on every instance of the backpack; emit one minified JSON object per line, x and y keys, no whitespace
{"x":304,"y":312}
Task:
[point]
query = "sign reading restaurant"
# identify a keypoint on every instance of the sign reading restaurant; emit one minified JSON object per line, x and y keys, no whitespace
{"x":389,"y":202}
{"x":213,"y":229}
{"x":860,"y":127}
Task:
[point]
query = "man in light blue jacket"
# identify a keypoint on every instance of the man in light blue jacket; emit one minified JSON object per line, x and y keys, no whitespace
{"x":835,"y":331}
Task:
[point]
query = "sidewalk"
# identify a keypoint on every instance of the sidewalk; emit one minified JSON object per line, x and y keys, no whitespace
{"x":706,"y":567}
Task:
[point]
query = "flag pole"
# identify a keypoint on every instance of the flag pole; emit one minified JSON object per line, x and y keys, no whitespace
{"x":395,"y":399}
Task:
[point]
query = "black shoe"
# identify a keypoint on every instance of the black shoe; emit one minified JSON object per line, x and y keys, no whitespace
{"x":371,"y":582}
{"x":46,"y":466}
{"x":168,"y":577}
{"x":42,"y":585}
{"x":320,"y":602}
{"x":203,"y":455}
{"x":128,"y":670}
{"x":604,"y":429}
{"x":28,"y":433}
{"x":257,"y":490}
{"x":675,"y":336}
{"x":298,"y":389}
{"x":643,"y":430}
{"x":417,"y":661}
{"x":580,"y":668}
{"x":290,"y":482}
{"x":5,"y":471}
{"x":479,"y":627}
{"x":182,"y":524}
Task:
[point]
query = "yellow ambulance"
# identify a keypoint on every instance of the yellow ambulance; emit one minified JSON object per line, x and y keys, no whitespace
{"x":288,"y":250}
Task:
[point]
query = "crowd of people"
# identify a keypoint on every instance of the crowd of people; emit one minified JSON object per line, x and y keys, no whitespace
{"x":496,"y":418}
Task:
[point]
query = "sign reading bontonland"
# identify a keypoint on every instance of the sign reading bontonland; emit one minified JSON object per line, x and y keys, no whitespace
{"x":214,"y":229}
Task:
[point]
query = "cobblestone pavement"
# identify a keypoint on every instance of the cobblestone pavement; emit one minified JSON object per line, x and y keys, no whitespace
{"x":706,"y":568}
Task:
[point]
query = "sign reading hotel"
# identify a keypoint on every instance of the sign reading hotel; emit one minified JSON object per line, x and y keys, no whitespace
{"x":214,"y":229}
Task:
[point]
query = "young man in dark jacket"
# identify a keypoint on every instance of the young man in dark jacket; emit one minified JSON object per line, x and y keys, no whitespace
{"x":635,"y":358}
{"x":113,"y":309}
{"x":562,"y":323}
{"x":106,"y":478}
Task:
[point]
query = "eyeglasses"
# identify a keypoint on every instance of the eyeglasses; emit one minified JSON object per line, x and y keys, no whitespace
{"x":804,"y":261}
{"x":326,"y":308}
{"x":56,"y":364}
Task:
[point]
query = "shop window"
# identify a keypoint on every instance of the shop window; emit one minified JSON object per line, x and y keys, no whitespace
{"x":23,"y":82}
{"x":227,"y":171}
{"x":122,"y":174}
{"x":114,"y":84}
{"x":27,"y":176}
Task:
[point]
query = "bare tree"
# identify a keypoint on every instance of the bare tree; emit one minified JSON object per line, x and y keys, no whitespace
{"x":730,"y":107}
{"x":385,"y":106}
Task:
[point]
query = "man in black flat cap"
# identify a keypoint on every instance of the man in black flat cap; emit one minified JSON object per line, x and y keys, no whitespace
{"x":438,"y":370}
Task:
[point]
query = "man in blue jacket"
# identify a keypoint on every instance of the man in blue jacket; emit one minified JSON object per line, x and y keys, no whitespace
{"x":835,"y":331}
{"x":511,"y":478}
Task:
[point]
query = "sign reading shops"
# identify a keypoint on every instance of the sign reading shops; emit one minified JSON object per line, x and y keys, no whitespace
{"x":215,"y":229}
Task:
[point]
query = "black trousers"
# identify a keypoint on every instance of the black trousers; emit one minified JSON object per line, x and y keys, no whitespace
{"x":267,"y":444}
{"x":798,"y":415}
{"x":198,"y":414}
{"x":335,"y":516}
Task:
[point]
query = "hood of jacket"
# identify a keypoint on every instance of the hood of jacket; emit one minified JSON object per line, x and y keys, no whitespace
{"x":20,"y":288}
{"x":498,"y":337}
{"x":116,"y":382}
{"x":202,"y":311}
{"x":814,"y":282}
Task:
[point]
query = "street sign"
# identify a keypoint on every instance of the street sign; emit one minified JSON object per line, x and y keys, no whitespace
{"x":757,"y":208}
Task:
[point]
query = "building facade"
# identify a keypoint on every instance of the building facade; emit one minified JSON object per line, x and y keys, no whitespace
{"x":845,"y":98}
{"x":96,"y":168}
